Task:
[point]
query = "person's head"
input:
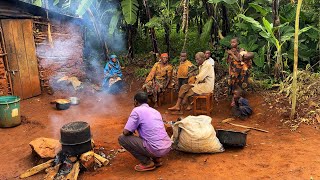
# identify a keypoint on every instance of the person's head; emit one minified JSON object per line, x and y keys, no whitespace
{"x":140,"y":98}
{"x":237,"y":93}
{"x":183,"y":56}
{"x":164,"y":58}
{"x":113,"y":58}
{"x":207,"y":53}
{"x":234,"y":42}
{"x":200,"y":58}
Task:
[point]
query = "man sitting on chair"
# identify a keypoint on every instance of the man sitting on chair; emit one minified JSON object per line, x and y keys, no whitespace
{"x":204,"y":83}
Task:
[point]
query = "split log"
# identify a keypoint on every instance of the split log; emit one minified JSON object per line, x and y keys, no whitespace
{"x":73,"y":175}
{"x":103,"y":160}
{"x":98,"y":163}
{"x":87,"y":160}
{"x":51,"y":172}
{"x":37,"y":169}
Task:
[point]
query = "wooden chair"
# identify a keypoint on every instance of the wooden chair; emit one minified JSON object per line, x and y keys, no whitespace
{"x":208,"y":99}
{"x":162,"y":96}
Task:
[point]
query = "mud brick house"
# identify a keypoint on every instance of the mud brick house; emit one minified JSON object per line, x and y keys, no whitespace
{"x":36,"y":48}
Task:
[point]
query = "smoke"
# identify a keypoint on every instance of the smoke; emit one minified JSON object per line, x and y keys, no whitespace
{"x":77,"y":51}
{"x":95,"y":109}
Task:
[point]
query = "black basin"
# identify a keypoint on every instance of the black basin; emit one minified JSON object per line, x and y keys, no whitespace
{"x":231,"y":138}
{"x":75,"y":133}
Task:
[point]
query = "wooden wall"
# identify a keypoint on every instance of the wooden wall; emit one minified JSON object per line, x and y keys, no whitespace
{"x":62,"y":57}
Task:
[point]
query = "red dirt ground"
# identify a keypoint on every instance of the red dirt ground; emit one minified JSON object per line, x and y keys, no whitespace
{"x":279,"y":154}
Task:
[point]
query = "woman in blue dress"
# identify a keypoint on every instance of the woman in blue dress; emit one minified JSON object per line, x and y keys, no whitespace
{"x":112,"y":81}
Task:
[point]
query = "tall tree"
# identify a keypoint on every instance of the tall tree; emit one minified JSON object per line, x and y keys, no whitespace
{"x":295,"y":65}
{"x":151,"y":31}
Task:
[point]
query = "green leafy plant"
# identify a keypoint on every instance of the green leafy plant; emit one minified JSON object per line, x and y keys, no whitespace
{"x":141,"y":72}
{"x":129,"y":10}
{"x":266,"y":30}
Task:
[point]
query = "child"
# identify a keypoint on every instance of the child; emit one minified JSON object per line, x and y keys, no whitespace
{"x":239,"y":62}
{"x":240,"y":106}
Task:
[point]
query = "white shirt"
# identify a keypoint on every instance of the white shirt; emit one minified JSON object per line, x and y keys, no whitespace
{"x":211,"y":61}
{"x":205,"y":79}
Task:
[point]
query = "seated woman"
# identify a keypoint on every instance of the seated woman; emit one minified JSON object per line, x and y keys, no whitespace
{"x":158,"y":78}
{"x":112,"y":81}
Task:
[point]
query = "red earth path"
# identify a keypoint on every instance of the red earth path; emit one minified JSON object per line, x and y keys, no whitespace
{"x":279,"y":154}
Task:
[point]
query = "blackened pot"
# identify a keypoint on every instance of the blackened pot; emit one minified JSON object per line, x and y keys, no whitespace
{"x":74,"y":150}
{"x":75,"y":133}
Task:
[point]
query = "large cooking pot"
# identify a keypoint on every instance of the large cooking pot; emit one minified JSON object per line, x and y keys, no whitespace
{"x":76,"y":138}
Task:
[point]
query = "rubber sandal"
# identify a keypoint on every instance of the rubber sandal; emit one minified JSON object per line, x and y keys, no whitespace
{"x":157,"y":162}
{"x":142,"y":168}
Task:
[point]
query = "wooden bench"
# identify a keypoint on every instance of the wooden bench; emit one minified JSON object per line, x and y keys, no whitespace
{"x":208,"y":99}
{"x":162,"y":96}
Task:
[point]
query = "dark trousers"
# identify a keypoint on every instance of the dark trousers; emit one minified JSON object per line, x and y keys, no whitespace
{"x":134,"y":145}
{"x":182,"y":81}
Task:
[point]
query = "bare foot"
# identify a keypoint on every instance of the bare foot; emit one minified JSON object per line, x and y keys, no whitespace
{"x":174,"y":108}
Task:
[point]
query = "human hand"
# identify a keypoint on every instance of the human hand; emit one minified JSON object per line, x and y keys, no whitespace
{"x":229,"y":52}
{"x":233,"y":103}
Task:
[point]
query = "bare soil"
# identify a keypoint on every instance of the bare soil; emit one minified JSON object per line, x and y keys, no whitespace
{"x":279,"y":154}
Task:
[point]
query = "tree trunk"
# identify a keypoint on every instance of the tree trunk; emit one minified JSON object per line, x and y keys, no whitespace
{"x":275,"y":15}
{"x":185,"y":23}
{"x":209,"y":10}
{"x":295,"y":59}
{"x":215,"y":25}
{"x":151,"y":31}
{"x":225,"y":21}
{"x":130,"y":37}
{"x":167,"y":37}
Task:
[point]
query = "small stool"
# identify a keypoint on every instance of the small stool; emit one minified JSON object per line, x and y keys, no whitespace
{"x":162,"y":96}
{"x":208,"y":97}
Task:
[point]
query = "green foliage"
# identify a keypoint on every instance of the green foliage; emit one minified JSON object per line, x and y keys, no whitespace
{"x":113,"y":23}
{"x":154,"y":22}
{"x":206,"y":30}
{"x":226,"y":1}
{"x":83,"y":6}
{"x":141,"y":72}
{"x":129,"y":10}
{"x":259,"y":57}
{"x":249,"y":43}
{"x":37,"y":3}
{"x":263,"y":10}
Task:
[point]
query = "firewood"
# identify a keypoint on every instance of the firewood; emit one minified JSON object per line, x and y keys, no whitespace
{"x":103,"y":160}
{"x":37,"y":169}
{"x":73,"y":158}
{"x":99,"y":164}
{"x":87,"y":160}
{"x":51,"y":172}
{"x":73,"y":175}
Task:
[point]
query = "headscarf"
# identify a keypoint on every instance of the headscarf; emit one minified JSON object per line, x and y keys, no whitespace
{"x":113,"y":56}
{"x":164,"y":55}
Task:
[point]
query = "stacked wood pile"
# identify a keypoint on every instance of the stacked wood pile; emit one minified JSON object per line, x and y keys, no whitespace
{"x":89,"y":161}
{"x":4,"y":83}
{"x":61,"y":57}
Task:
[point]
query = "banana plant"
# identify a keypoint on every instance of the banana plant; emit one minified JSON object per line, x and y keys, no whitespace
{"x":266,"y":30}
{"x":129,"y":10}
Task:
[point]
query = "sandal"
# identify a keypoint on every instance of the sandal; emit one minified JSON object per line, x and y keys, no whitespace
{"x":141,"y":168}
{"x":157,"y":162}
